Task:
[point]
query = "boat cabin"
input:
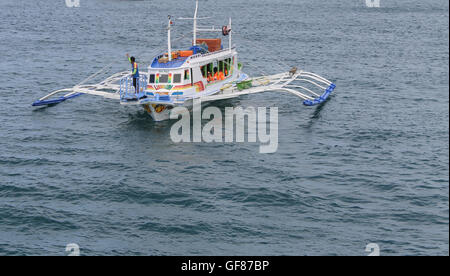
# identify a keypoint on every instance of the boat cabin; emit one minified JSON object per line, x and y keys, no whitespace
{"x":204,"y":67}
{"x":204,"y":64}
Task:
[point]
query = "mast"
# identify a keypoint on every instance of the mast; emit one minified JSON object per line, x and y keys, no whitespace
{"x":195,"y":23}
{"x":229,"y":34}
{"x":169,"y":43}
{"x":195,"y":18}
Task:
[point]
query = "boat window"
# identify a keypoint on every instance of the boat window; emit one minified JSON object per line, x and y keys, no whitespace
{"x":221,"y":66}
{"x":164,"y":78}
{"x":177,"y":78}
{"x":211,"y":68}
{"x":224,"y":66}
{"x":203,"y":69}
{"x":227,"y":67}
{"x":186,"y":74}
{"x":152,"y":78}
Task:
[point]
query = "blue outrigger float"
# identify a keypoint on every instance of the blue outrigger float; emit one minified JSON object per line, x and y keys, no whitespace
{"x":205,"y":71}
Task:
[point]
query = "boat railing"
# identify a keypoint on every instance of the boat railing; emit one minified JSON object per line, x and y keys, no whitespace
{"x":210,"y":53}
{"x":128,"y":91}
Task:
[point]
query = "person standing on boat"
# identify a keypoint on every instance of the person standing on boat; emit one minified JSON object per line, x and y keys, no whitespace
{"x":134,"y":72}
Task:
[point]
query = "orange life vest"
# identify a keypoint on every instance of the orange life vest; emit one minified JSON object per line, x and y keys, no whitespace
{"x":221,"y":76}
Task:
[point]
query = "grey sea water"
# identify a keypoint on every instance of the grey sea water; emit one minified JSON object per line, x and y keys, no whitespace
{"x":371,"y":165}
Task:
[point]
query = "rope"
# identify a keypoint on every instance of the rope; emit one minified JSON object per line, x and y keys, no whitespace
{"x":95,"y":74}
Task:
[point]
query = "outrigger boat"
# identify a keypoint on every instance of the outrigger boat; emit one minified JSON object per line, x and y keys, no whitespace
{"x":178,"y":77}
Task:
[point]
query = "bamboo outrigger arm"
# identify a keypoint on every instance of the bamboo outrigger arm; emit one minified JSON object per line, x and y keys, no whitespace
{"x":291,"y":82}
{"x":284,"y":82}
{"x":108,"y":88}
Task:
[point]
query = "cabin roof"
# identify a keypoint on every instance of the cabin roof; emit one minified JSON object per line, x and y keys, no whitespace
{"x":181,"y":59}
{"x":175,"y":63}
